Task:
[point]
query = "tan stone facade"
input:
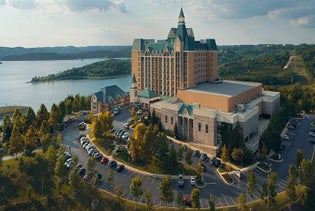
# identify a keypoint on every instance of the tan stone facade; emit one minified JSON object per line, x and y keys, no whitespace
{"x":179,"y":62}
{"x":187,"y":71}
{"x":108,"y":98}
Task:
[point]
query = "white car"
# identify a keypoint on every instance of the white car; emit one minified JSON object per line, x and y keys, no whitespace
{"x":193,"y":180}
{"x":285,"y":137}
{"x":312,"y":134}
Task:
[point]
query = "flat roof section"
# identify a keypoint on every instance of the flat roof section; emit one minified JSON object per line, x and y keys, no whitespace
{"x":226,"y":88}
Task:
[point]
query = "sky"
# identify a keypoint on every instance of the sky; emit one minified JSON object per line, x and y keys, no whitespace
{"x":45,"y":23}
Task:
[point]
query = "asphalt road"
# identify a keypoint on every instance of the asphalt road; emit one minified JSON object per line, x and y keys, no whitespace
{"x":224,"y":194}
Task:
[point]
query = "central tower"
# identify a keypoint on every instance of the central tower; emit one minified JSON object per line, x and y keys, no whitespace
{"x":178,"y":62}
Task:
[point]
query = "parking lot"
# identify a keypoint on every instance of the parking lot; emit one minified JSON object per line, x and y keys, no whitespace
{"x":224,"y":194}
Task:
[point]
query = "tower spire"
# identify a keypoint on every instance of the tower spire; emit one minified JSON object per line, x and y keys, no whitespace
{"x":181,"y":18}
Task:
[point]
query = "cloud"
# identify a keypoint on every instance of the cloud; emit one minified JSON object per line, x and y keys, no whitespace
{"x":299,"y":13}
{"x":3,"y":2}
{"x":95,"y":5}
{"x":22,"y":4}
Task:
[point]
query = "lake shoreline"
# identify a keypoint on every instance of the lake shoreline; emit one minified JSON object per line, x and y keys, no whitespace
{"x":79,"y":78}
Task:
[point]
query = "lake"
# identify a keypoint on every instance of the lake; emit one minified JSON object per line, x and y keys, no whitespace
{"x":14,"y":89}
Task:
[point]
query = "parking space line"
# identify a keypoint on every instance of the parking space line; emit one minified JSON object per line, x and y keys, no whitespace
{"x":153,"y":179}
{"x":232,"y":200}
{"x":125,"y":192}
{"x":227,"y":203}
{"x":148,"y":177}
{"x":220,"y":202}
{"x":129,"y":196}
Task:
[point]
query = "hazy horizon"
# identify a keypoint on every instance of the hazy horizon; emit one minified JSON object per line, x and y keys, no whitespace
{"x":49,"y":23}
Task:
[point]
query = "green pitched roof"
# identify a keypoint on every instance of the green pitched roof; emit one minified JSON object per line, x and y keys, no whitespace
{"x":109,"y":93}
{"x":181,"y":13}
{"x":186,"y":35}
{"x":186,"y":107}
{"x":147,"y":93}
{"x":133,"y":80}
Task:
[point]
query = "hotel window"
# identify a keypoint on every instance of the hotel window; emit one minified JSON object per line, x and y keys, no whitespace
{"x":172,"y":120}
{"x":207,"y":129}
{"x":165,"y":118}
{"x":199,"y":126}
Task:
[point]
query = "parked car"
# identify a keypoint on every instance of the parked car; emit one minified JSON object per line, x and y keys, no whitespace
{"x":112,"y":163}
{"x":196,"y":153}
{"x":217,"y":162}
{"x":312,"y":134}
{"x":192,"y":180}
{"x":97,"y":156}
{"x":203,"y":156}
{"x":311,"y":141}
{"x":187,"y":201}
{"x":285,"y":137}
{"x":120,"y":167}
{"x":81,"y":172}
{"x":204,"y":169}
{"x":185,"y":147}
{"x":180,"y":181}
{"x":104,"y":160}
{"x":125,"y":135}
{"x":99,"y":176}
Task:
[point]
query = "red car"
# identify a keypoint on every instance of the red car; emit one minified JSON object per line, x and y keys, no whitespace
{"x":187,"y":201}
{"x":104,"y":160}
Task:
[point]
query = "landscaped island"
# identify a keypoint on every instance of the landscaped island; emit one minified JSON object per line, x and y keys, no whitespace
{"x":102,"y":69}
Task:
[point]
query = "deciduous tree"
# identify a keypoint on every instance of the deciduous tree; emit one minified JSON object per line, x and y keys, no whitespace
{"x":147,"y":200}
{"x":110,"y":184}
{"x":195,"y":198}
{"x":135,"y":187}
{"x":251,"y":183}
{"x":166,"y":190}
{"x":179,"y":199}
{"x":180,"y":152}
{"x":211,"y":203}
{"x":241,"y":202}
{"x":224,"y":154}
{"x":299,"y":157}
{"x":306,"y":172}
{"x":188,"y":156}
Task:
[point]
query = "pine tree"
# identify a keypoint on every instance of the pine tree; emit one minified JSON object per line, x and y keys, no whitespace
{"x":16,"y":141}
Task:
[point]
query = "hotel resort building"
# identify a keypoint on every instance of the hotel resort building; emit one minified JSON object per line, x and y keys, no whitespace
{"x":178,"y":78}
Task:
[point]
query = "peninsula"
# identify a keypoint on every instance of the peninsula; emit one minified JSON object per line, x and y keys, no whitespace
{"x":97,"y":70}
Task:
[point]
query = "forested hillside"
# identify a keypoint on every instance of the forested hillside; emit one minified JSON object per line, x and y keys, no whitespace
{"x":63,"y":53}
{"x":266,"y":63}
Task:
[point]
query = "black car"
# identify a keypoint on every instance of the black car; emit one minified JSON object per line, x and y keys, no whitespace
{"x":99,"y":176}
{"x":112,"y":163}
{"x":217,"y":163}
{"x":120,"y":167}
{"x":82,"y":171}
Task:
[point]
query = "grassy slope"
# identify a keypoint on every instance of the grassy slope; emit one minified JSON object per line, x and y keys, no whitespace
{"x":10,"y":109}
{"x":298,"y":67}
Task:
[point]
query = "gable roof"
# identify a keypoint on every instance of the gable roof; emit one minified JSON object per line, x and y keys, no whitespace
{"x":110,"y":93}
{"x":186,"y":108}
{"x":147,"y":93}
{"x":185,"y":35}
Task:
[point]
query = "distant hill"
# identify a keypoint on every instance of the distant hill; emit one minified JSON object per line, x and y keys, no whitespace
{"x":63,"y":53}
